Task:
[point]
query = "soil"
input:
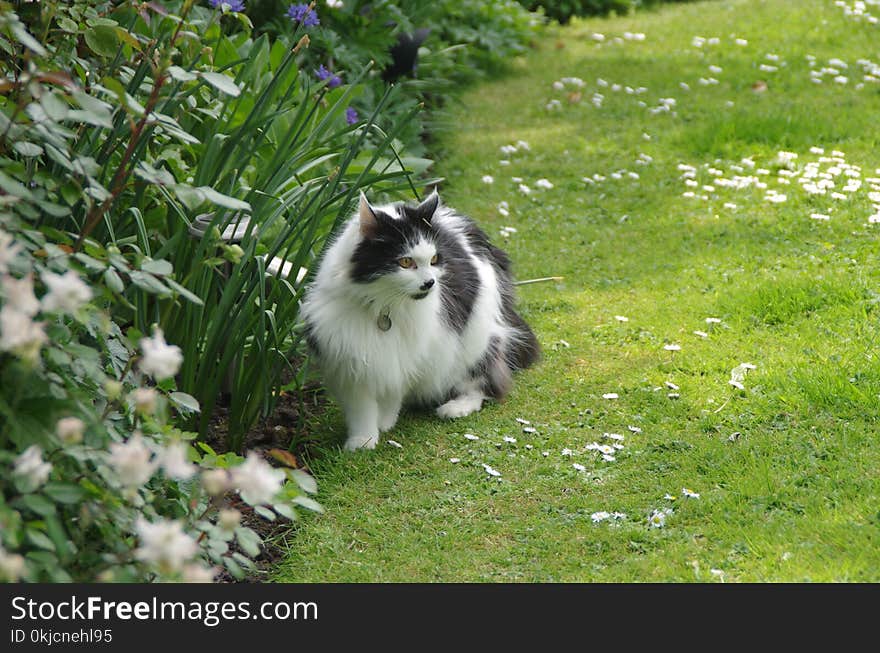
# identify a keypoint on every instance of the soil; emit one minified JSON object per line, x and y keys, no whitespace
{"x":282,"y":433}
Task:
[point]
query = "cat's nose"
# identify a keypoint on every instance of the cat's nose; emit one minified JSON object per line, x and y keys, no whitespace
{"x":427,"y":285}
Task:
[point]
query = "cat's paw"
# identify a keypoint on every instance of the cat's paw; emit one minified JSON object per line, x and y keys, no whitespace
{"x":387,"y":422}
{"x":356,"y":443}
{"x":460,"y":406}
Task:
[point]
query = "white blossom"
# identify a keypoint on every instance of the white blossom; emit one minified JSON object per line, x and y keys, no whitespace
{"x":144,"y":400}
{"x":196,"y":573}
{"x":488,"y":179}
{"x":490,"y":471}
{"x":164,"y":544}
{"x":67,"y":292}
{"x":11,"y":566}
{"x":8,"y":251}
{"x":20,"y":334}
{"x":132,"y":461}
{"x":173,"y":460}
{"x":31,"y":468}
{"x":19,"y":295}
{"x":257,"y":481}
{"x":160,"y":359}
{"x":215,"y":481}
{"x":229,"y":519}
{"x":657,"y":519}
{"x":70,"y":429}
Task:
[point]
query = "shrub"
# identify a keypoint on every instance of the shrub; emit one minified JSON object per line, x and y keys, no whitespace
{"x":117,"y":125}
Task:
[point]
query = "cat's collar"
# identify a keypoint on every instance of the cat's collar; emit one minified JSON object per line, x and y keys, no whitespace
{"x":384,"y":320}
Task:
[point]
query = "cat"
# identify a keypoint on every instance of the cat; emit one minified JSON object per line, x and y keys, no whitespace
{"x":413,"y":305}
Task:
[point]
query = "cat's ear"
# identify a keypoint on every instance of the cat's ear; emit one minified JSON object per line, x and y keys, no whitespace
{"x":428,"y":208}
{"x":369,"y":223}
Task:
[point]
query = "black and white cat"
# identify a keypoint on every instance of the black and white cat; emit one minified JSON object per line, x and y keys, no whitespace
{"x":413,"y":305}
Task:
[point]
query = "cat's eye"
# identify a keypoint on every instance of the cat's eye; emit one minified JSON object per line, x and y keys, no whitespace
{"x":434,"y":259}
{"x":406,"y":262}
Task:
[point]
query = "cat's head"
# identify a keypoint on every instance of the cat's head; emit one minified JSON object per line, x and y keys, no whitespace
{"x":397,"y":253}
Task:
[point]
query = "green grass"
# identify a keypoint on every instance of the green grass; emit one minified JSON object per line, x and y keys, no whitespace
{"x":793,"y":496}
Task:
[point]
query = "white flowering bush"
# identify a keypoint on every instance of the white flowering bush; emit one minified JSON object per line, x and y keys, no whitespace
{"x":97,"y":481}
{"x":100,"y":476}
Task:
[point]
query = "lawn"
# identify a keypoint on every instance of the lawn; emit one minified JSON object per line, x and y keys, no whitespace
{"x":692,"y":247}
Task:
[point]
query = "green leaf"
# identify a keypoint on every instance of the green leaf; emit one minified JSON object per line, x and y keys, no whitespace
{"x":179,"y":74}
{"x":223,"y":200}
{"x":234,"y":568}
{"x":185,"y":401}
{"x":38,"y":504}
{"x":90,"y":118}
{"x":159,"y":267}
{"x":285,"y":511}
{"x":102,"y":40}
{"x":222,"y":83}
{"x":27,"y":149}
{"x":306,"y":481}
{"x":113,"y":280}
{"x":64,"y":492}
{"x":23,"y":36}
{"x":40,"y":539}
{"x":55,"y":107}
{"x":248,"y":540}
{"x":14,"y":188}
{"x":308,"y":502}
{"x":94,"y":265}
{"x":184,"y":292}
{"x":67,"y":25}
{"x":148,"y":282}
{"x":264,"y":512}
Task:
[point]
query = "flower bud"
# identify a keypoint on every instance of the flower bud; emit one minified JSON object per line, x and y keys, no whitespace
{"x":70,"y":430}
{"x":144,"y":400}
{"x":113,"y":389}
{"x":215,"y":481}
{"x":229,"y":520}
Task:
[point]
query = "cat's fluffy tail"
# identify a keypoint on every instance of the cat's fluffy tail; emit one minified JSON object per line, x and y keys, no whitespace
{"x":522,"y":348}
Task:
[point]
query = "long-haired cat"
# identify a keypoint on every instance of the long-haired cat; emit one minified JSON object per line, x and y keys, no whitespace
{"x":413,"y":305}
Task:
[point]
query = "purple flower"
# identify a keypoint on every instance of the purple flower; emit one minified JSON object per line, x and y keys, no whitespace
{"x":302,"y":14}
{"x":351,"y":116}
{"x":234,"y":5}
{"x":323,"y":74}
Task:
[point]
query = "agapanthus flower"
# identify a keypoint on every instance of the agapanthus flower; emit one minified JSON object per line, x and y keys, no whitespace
{"x":302,"y":14}
{"x":234,"y":5}
{"x":324,"y":75}
{"x":351,"y":116}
